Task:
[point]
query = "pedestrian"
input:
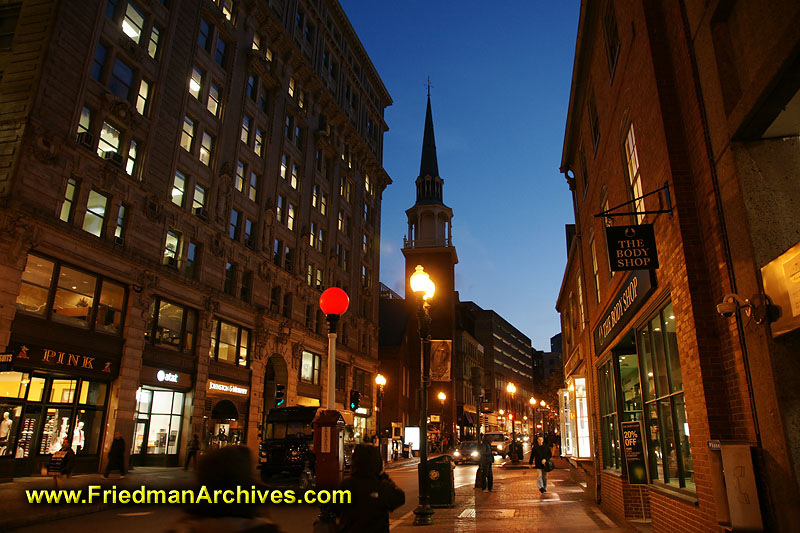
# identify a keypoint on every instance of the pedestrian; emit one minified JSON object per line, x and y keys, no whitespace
{"x":62,"y":462}
{"x":228,"y":468}
{"x":485,"y":464}
{"x":540,"y":455}
{"x":116,"y":456}
{"x":194,"y":447}
{"x":373,"y":494}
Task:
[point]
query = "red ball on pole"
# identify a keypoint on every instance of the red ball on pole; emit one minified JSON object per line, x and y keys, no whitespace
{"x":334,"y":301}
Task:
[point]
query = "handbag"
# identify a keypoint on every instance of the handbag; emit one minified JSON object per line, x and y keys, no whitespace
{"x":549,"y":466}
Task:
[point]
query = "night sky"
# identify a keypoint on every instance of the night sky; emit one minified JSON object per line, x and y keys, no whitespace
{"x":501,"y":76}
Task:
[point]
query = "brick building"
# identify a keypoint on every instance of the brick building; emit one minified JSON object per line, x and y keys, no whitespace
{"x":689,"y":95}
{"x":180,"y":180}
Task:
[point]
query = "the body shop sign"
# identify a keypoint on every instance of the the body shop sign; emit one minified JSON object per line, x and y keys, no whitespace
{"x":630,"y":297}
{"x":632,"y":247}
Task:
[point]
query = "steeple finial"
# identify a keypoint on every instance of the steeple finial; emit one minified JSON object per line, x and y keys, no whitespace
{"x":429,"y":86}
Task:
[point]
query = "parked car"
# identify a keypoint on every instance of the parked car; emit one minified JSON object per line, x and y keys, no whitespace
{"x":500,"y":443}
{"x":467,"y":452}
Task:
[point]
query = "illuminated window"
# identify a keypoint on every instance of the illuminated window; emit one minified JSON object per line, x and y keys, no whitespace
{"x":238,"y":181}
{"x":141,"y":99}
{"x":196,"y":82}
{"x":290,"y":214}
{"x":109,"y":140}
{"x":178,"y":188}
{"x":69,"y":200}
{"x":133,"y":22}
{"x":206,"y":148}
{"x":230,"y":343}
{"x":245,"y":134}
{"x":213,"y":104}
{"x":252,"y":192}
{"x":187,"y":136}
{"x":634,"y":178}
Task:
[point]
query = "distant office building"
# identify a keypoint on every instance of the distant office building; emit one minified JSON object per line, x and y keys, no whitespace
{"x":179,"y":182}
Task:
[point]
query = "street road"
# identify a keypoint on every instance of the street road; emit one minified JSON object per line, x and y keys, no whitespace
{"x":291,"y":518}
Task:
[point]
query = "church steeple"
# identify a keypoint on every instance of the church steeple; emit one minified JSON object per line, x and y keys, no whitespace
{"x":429,"y":183}
{"x":429,"y":220}
{"x":429,"y":165}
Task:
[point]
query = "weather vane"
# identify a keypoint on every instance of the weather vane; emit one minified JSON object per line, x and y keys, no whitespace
{"x":429,"y":85}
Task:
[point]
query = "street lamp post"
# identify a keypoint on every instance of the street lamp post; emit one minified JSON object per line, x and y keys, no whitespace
{"x":442,"y":397}
{"x":423,"y":287}
{"x":511,"y":390}
{"x":380,"y":381}
{"x":334,"y":303}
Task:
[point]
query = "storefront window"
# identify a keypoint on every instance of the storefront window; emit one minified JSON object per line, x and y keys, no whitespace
{"x":9,"y":422}
{"x":629,"y":386}
{"x":63,"y":390}
{"x":608,"y":417}
{"x":567,"y":430}
{"x":158,"y":422}
{"x":667,"y":430}
{"x":36,"y":281}
{"x":582,"y":418}
{"x":13,"y":384}
{"x":86,"y":435}
{"x":55,"y":429}
{"x":36,"y":389}
{"x":93,"y":393}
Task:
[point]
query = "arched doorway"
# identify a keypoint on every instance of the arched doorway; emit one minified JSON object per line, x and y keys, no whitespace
{"x":224,"y":427}
{"x":276,"y":374}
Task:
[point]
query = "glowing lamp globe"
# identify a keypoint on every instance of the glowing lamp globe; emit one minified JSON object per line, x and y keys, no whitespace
{"x":334,"y":301}
{"x":380,"y":380}
{"x":421,"y":282}
{"x":511,"y":388}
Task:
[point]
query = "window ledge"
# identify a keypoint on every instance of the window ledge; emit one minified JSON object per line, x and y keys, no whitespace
{"x":679,"y":494}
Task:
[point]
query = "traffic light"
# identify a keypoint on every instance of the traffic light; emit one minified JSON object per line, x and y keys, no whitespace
{"x":476,"y":380}
{"x":355,"y":399}
{"x":280,"y":395}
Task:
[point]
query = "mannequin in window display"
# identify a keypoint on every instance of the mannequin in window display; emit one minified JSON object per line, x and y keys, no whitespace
{"x":5,"y":431}
{"x":78,"y":438}
{"x":221,"y":436}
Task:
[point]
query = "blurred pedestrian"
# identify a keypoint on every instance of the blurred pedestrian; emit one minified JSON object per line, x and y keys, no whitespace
{"x":116,"y":456}
{"x":373,"y":494}
{"x":221,"y":469}
{"x":540,"y":456}
{"x":194,"y":448}
{"x":485,"y":464}
{"x":62,"y":462}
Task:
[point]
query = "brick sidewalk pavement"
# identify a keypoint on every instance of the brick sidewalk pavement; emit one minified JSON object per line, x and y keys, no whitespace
{"x":516,"y":505}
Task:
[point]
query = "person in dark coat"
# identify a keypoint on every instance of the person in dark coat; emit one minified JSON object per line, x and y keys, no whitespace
{"x":194,"y":447}
{"x":540,"y":454}
{"x":67,"y":461}
{"x":224,"y":469}
{"x":485,"y":464}
{"x":373,"y":494}
{"x":116,"y":456}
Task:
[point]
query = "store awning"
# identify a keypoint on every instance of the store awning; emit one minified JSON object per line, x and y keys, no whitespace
{"x":225,"y":410}
{"x":468,"y":421}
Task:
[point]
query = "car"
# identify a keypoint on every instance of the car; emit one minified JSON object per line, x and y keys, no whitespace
{"x":467,"y":452}
{"x":500,"y":443}
{"x":287,"y":443}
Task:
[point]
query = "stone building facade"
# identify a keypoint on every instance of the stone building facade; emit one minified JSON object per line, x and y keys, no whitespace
{"x":179,"y":180}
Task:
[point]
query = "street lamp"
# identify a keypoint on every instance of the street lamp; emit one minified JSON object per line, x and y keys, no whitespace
{"x":334,"y":303}
{"x":442,"y":397}
{"x":424,"y":288}
{"x":511,"y":388}
{"x":380,"y":381}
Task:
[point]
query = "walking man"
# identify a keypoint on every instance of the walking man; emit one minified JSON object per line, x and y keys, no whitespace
{"x":194,"y":447}
{"x":486,"y":460}
{"x":116,"y":456}
{"x":540,"y":455}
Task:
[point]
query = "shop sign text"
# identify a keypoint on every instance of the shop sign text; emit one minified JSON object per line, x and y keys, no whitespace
{"x":633,"y":293}
{"x":632,"y":247}
{"x":166,"y":376}
{"x":227,"y":387}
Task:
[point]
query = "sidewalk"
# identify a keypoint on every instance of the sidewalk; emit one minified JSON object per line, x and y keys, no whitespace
{"x":516,"y":505}
{"x":18,"y":512}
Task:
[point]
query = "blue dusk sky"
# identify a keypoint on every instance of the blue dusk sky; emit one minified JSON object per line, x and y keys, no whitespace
{"x":501,"y":76}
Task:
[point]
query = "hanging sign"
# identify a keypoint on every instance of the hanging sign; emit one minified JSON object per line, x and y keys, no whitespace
{"x":634,"y":452}
{"x":632,"y":248}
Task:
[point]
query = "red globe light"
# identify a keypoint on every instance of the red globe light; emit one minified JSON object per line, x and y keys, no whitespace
{"x":334,"y":301}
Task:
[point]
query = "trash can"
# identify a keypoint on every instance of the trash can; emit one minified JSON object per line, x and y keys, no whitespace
{"x":440,"y":480}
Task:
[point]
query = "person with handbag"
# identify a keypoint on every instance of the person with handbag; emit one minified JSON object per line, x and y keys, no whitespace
{"x":540,"y":459}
